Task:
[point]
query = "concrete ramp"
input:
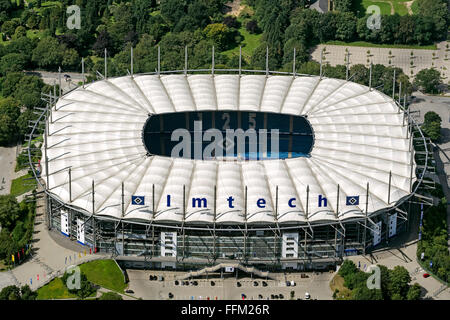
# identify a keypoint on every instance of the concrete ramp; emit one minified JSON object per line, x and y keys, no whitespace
{"x":206,"y":270}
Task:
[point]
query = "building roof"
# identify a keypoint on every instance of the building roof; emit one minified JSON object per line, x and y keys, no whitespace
{"x":359,"y":138}
{"x":320,"y":5}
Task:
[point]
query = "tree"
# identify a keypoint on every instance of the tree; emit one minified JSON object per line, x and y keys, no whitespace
{"x":10,"y":293}
{"x":347,"y":267}
{"x":102,"y":42}
{"x":432,"y":116}
{"x":252,"y":27}
{"x":359,"y":74}
{"x":428,"y":80}
{"x":48,"y":53}
{"x":219,"y":34}
{"x":173,"y":10}
{"x":345,"y":26}
{"x":399,"y":279}
{"x":438,"y":11}
{"x":432,"y":130}
{"x":12,"y":62}
{"x":342,"y":5}
{"x":414,"y":292}
{"x":9,"y":27}
{"x":364,"y":293}
{"x":9,"y":112}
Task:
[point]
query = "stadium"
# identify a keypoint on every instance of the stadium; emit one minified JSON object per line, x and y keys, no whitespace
{"x":336,"y":181}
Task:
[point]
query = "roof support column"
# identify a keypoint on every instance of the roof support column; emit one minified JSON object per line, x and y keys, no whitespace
{"x":245,"y":217}
{"x":182,"y":225}
{"x":70,"y":184}
{"x":389,"y":188}
{"x":214,"y":224}
{"x":365,"y":220}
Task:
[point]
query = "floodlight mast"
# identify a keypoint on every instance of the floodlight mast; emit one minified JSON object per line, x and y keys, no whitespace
{"x":212,"y":61}
{"x":348,"y":66}
{"x":82,"y":71}
{"x":159,"y":61}
{"x":240,"y":61}
{"x":185,"y":60}
{"x":106,"y":64}
{"x":132,"y":62}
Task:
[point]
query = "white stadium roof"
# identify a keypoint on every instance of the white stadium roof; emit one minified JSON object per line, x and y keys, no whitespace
{"x":359,"y":133}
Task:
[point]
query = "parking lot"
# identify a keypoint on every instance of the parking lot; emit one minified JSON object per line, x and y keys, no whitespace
{"x":229,"y":288}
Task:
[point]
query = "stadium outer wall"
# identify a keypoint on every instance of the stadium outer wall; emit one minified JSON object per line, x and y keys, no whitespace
{"x":141,"y":244}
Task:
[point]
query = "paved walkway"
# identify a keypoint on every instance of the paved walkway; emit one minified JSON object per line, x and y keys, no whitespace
{"x":48,"y":260}
{"x":422,"y":59}
{"x":7,"y":164}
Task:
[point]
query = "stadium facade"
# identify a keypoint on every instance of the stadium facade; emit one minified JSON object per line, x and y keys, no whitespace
{"x":338,"y":183}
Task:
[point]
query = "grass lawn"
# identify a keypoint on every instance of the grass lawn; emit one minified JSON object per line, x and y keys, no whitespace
{"x":20,"y":185}
{"x":338,"y":283}
{"x":54,"y":290}
{"x":384,"y":6}
{"x":249,"y":44}
{"x":375,"y":45}
{"x":415,"y":7}
{"x":104,"y":273}
{"x":34,"y":34}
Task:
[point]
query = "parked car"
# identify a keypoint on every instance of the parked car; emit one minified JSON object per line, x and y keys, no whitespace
{"x":307,"y":296}
{"x":129,"y":291}
{"x":426,"y":275}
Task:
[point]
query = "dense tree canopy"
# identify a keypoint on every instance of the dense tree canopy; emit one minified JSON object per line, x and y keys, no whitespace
{"x":428,"y":80}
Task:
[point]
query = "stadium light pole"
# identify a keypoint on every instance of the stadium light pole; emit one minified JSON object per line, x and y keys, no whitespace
{"x":370,"y":77}
{"x":267,"y":61}
{"x":82,"y":70}
{"x":321,"y":62}
{"x":106,"y":64}
{"x":393,"y":86}
{"x":347,"y":66}
{"x":159,"y":61}
{"x":212,"y":61}
{"x":185,"y":60}
{"x":132,"y":62}
{"x":399,"y":92}
{"x":293,"y":64}
{"x":240,"y":61}
{"x":59,"y":80}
